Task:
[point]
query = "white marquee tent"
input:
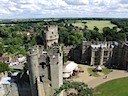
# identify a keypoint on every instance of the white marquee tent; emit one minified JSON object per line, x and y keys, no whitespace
{"x":98,"y":68}
{"x":68,"y":69}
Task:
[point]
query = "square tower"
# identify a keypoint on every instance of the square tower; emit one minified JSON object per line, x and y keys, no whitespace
{"x":51,"y":36}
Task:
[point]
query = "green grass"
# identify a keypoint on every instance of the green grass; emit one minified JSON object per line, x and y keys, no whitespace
{"x":106,"y":71}
{"x":118,"y":87}
{"x":95,"y":74}
{"x":99,"y":23}
{"x":79,"y":24}
{"x":13,"y":70}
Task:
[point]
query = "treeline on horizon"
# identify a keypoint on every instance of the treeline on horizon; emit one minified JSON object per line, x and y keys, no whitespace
{"x":57,"y":20}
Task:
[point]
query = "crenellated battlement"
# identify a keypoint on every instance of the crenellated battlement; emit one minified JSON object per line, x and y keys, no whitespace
{"x":51,"y":35}
{"x":96,"y":42}
{"x":33,"y":51}
{"x":52,"y":26}
{"x":68,"y":47}
{"x":54,"y":50}
{"x":47,"y":28}
{"x":36,"y":50}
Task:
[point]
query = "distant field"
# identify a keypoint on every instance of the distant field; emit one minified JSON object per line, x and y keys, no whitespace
{"x":91,"y":23}
{"x":117,"y":87}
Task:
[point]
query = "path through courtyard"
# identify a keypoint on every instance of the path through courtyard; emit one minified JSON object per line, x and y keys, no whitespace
{"x":95,"y":81}
{"x":111,"y":76}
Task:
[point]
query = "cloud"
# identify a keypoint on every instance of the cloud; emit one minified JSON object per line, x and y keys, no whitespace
{"x":63,"y":8}
{"x":77,"y":2}
{"x":124,"y":1}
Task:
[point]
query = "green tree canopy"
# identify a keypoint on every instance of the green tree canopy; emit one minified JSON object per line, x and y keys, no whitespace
{"x":3,"y":67}
{"x":96,"y":28}
{"x":81,"y":88}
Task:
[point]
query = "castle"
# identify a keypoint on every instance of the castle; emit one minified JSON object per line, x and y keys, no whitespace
{"x":110,"y":53}
{"x":46,"y":64}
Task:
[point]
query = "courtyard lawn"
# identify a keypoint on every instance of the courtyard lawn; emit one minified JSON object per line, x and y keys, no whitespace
{"x":118,"y":87}
{"x":90,"y":71}
{"x":99,"y":23}
{"x":106,"y":71}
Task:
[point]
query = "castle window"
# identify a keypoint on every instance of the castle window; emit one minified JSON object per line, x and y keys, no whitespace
{"x":110,"y":53}
{"x":105,"y":53}
{"x":96,"y":60}
{"x":96,"y":53}
{"x":50,"y":36}
{"x":105,"y":59}
{"x":41,"y":78}
{"x":43,"y":65}
{"x":52,"y":32}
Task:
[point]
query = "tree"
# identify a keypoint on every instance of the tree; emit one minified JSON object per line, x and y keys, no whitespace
{"x":95,"y":35}
{"x":25,"y":67}
{"x":85,"y":27}
{"x":76,"y":38}
{"x":120,"y":36}
{"x":114,"y":29}
{"x":81,"y":89}
{"x":1,"y":48}
{"x":106,"y":31}
{"x":3,"y":67}
{"x":96,"y":28}
{"x":65,"y":57}
{"x":87,"y":35}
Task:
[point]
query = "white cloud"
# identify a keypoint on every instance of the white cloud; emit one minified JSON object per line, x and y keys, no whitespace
{"x":96,"y":2}
{"x":63,"y":8}
{"x":77,"y":2}
{"x":124,"y":1}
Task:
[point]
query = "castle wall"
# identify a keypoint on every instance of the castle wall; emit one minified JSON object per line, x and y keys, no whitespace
{"x":92,"y":57}
{"x":122,"y":56}
{"x":66,"y":49}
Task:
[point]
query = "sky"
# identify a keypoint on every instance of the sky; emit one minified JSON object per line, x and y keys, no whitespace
{"x":63,"y":8}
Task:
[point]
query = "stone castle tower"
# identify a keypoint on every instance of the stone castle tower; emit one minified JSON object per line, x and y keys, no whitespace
{"x":50,"y":35}
{"x":46,"y":65}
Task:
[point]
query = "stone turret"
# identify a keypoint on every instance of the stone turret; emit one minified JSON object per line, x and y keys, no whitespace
{"x":33,"y":69}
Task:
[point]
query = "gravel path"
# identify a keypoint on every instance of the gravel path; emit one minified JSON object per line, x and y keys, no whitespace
{"x":113,"y":75}
{"x":95,"y":81}
{"x":84,"y":76}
